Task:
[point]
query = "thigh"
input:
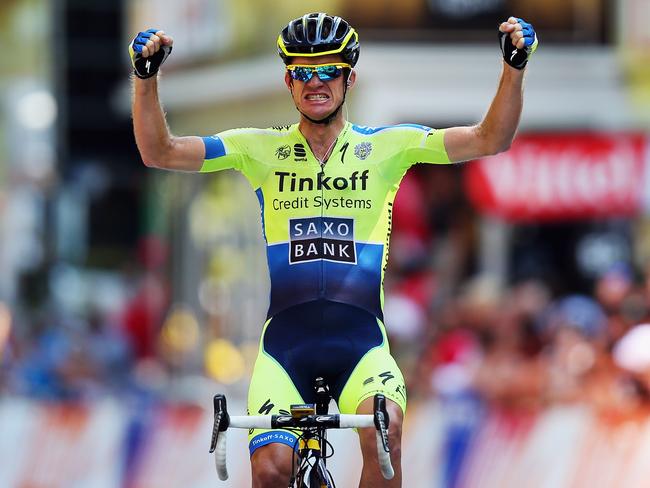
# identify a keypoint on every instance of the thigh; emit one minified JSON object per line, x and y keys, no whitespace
{"x":376,"y":372}
{"x":271,"y":392}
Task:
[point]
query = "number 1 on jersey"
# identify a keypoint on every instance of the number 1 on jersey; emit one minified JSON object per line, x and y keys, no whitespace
{"x":342,"y":150}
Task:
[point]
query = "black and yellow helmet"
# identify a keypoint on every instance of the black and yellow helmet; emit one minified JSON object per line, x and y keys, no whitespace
{"x":318,"y":34}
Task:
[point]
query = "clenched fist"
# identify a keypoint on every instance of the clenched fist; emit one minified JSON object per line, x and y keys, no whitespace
{"x":148,"y":51}
{"x":518,"y":41}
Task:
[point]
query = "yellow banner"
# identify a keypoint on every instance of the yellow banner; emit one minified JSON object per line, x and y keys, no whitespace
{"x":634,"y":48}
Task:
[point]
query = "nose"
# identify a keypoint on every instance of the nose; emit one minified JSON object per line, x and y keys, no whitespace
{"x":318,"y":81}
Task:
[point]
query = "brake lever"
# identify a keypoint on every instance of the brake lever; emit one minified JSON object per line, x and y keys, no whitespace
{"x":382,"y":420}
{"x":221,"y":419}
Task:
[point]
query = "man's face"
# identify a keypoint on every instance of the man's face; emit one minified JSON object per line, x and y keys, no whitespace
{"x":317,"y":98}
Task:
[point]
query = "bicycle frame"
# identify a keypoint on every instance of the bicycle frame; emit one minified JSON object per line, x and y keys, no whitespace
{"x":312,"y":470}
{"x":312,"y":452}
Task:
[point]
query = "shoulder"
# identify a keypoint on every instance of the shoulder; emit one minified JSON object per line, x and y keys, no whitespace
{"x":282,"y":129}
{"x":397,"y":137}
{"x":391,"y":130}
{"x":271,"y":132}
{"x":250,"y":137}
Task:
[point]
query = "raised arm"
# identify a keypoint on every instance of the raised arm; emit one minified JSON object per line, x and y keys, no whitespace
{"x":158,"y":147}
{"x":495,"y":132}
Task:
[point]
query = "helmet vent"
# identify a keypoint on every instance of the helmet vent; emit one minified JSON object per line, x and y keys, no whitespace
{"x":299,"y":32}
{"x":327,"y":28}
{"x":341,"y":31}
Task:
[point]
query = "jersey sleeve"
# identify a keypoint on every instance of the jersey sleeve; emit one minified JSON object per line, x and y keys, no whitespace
{"x":427,"y":146}
{"x":223,"y":151}
{"x":411,"y":144}
{"x":234,"y":149}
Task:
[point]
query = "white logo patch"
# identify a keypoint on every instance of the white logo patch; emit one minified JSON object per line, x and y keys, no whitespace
{"x":363,"y":150}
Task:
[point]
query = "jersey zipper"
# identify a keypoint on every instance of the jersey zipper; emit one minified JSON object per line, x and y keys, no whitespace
{"x":321,"y":292}
{"x":322,"y":216}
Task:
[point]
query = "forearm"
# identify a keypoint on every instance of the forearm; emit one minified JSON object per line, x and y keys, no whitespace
{"x":152,"y":134}
{"x":499,"y":126}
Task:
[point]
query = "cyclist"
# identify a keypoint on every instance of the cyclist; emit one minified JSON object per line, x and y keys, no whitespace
{"x":326,"y":188}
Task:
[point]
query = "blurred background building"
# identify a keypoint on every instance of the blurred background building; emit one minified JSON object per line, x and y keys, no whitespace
{"x":516,"y":288}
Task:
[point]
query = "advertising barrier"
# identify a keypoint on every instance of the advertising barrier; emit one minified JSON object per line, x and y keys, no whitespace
{"x":109,"y":445}
{"x":559,"y":177}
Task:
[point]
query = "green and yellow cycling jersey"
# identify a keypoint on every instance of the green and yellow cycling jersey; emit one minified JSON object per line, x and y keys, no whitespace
{"x":326,"y":226}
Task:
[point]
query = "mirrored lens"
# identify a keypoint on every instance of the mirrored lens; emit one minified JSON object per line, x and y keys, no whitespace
{"x":301,"y":74}
{"x":328,"y":72}
{"x":325,"y":73}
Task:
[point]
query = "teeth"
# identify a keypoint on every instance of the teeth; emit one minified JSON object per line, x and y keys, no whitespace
{"x":317,"y":97}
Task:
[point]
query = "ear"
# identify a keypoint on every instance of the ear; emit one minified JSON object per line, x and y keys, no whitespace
{"x":352,"y":78}
{"x":288,"y":81}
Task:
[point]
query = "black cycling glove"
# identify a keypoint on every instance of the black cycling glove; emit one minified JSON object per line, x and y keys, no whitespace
{"x":518,"y":58}
{"x":146,"y":67}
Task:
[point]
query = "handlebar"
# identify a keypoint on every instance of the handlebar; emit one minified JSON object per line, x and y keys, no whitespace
{"x":222,"y":422}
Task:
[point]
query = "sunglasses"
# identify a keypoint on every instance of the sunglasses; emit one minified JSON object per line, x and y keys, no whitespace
{"x":325,"y":72}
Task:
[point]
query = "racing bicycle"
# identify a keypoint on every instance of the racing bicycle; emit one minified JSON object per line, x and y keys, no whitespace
{"x":310,"y":423}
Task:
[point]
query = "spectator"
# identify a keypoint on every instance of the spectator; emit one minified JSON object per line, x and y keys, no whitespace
{"x":632,"y":354}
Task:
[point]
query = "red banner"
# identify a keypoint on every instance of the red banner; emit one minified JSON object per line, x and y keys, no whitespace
{"x":550,"y":177}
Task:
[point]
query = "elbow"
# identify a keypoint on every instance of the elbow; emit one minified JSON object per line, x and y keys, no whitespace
{"x":492,"y":142}
{"x":155,"y":152}
{"x":492,"y":148}
{"x":150,"y":158}
{"x":151,"y":163}
{"x":503,"y":147}
{"x":154,"y":158}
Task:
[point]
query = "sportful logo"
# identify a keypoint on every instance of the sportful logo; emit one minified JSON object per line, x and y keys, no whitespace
{"x":283,"y":152}
{"x":326,"y":238}
{"x":299,"y":152}
{"x":363,"y":150}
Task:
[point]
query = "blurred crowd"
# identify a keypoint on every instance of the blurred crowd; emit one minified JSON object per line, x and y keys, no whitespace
{"x":477,"y":341}
{"x":462,"y":337}
{"x":519,"y":347}
{"x":91,"y":336}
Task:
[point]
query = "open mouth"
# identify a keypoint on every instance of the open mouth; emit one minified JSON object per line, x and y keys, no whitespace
{"x":317,"y":97}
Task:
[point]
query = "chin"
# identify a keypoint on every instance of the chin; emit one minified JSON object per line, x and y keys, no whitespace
{"x":319,"y":114}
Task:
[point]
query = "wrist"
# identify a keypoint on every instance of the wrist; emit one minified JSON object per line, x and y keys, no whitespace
{"x":511,"y":70}
{"x":145,"y":85}
{"x":512,"y":76}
